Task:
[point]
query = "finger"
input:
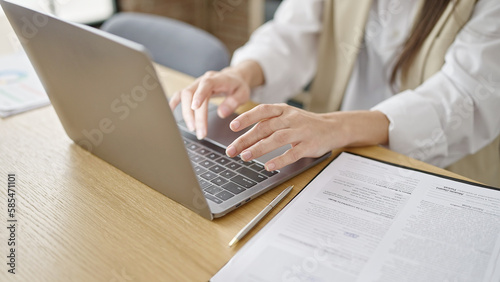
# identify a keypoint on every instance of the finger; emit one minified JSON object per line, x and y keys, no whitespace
{"x":175,"y":100}
{"x":255,"y":115}
{"x":274,"y":127}
{"x":201,"y":116}
{"x":187,"y":113}
{"x":208,"y":85}
{"x":274,"y":141}
{"x":290,"y":156}
{"x":232,"y":102}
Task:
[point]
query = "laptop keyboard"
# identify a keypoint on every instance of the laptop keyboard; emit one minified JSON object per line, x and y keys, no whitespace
{"x":222,"y":177}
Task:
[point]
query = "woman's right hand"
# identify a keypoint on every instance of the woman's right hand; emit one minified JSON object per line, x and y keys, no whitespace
{"x":233,"y":82}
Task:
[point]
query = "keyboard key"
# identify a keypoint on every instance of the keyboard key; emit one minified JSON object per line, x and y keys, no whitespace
{"x":236,"y":158}
{"x":257,"y":167}
{"x":269,"y":173}
{"x":224,"y":195}
{"x":233,"y":166}
{"x":196,"y":158}
{"x":223,"y":161}
{"x":203,"y":183}
{"x":227,"y":174}
{"x":217,"y":169}
{"x":206,"y":163}
{"x":203,"y":151}
{"x":233,"y":187}
{"x":213,"y":156}
{"x":255,"y":176}
{"x":213,"y":190}
{"x":193,"y":147}
{"x":213,"y":199}
{"x":199,"y":170}
{"x":219,"y":181}
{"x":242,"y":162}
{"x":243,"y":181}
{"x":208,"y":175}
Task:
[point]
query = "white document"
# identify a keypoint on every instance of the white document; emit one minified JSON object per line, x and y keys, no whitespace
{"x":361,"y":220}
{"x":20,"y":88}
{"x":448,"y":231}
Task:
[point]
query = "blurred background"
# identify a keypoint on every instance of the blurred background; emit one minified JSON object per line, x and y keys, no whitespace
{"x":190,"y":36}
{"x":231,"y":21}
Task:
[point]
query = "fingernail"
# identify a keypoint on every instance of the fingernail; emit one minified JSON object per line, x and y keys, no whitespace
{"x":270,"y":166}
{"x":235,"y":125}
{"x":230,"y":151}
{"x":200,"y":134}
{"x":195,"y":105}
{"x":246,"y":156}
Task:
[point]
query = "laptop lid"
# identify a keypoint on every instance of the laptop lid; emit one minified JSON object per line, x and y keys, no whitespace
{"x":109,"y":100}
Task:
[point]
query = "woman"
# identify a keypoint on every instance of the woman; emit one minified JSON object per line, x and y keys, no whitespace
{"x":422,"y":77}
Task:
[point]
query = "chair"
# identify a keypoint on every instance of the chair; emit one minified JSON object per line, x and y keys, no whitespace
{"x":171,"y":43}
{"x":270,"y":7}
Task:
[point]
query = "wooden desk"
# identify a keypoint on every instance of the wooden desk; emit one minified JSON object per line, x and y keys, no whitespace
{"x":80,"y":219}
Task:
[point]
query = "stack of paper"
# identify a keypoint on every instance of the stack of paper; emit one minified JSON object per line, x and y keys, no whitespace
{"x":20,"y":88}
{"x":365,"y":220}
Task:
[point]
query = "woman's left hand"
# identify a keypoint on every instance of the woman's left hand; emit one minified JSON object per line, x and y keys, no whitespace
{"x":309,"y":134}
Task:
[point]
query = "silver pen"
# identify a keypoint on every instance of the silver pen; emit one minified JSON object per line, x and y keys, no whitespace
{"x":260,"y":216}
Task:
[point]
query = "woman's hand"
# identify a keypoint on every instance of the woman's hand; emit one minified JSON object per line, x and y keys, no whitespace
{"x":233,"y":82}
{"x":309,"y":134}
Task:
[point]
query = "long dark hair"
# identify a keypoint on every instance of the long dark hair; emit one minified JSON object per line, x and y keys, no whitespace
{"x":428,"y":17}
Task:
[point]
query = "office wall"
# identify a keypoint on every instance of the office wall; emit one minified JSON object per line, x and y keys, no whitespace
{"x":80,"y":11}
{"x":232,"y":21}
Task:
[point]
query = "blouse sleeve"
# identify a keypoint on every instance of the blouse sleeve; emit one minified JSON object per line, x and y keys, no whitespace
{"x":286,"y":49}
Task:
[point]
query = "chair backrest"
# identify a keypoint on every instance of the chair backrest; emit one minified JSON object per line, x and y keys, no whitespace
{"x":171,"y":43}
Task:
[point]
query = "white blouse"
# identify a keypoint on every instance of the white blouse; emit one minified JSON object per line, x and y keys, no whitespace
{"x":454,"y":113}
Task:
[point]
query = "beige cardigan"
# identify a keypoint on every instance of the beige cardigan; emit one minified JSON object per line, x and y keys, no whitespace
{"x":343,"y":25}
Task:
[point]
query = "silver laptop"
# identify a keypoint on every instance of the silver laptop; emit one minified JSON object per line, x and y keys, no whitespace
{"x":108,"y":98}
